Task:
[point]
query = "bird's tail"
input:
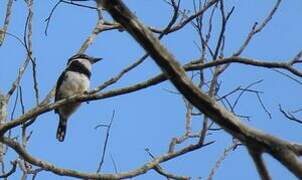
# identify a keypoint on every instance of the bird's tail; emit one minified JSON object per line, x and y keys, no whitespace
{"x":61,"y":131}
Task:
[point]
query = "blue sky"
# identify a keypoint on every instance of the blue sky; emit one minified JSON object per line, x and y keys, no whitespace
{"x":151,"y":117}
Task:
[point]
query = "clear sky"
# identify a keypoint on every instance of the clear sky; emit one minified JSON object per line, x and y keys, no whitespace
{"x":150,"y":118}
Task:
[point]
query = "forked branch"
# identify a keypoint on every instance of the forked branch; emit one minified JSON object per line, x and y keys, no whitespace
{"x":282,"y":150}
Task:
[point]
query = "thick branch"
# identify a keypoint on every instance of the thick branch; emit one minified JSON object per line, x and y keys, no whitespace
{"x":280,"y":149}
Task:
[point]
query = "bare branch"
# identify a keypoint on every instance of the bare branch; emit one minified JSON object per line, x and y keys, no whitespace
{"x":114,"y":163}
{"x":67,"y":172}
{"x":247,"y":61}
{"x":47,"y":20}
{"x":3,"y":30}
{"x":77,"y":4}
{"x":279,"y":149}
{"x":224,"y":22}
{"x":289,"y":115}
{"x":10,"y":172}
{"x":260,"y":165}
{"x":99,"y":27}
{"x":256,"y":29}
{"x":161,"y":171}
{"x":29,"y":47}
{"x":105,"y":143}
{"x":221,"y":158}
{"x":190,"y":18}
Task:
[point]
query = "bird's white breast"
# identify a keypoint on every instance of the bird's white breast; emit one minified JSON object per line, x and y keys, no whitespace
{"x":75,"y":83}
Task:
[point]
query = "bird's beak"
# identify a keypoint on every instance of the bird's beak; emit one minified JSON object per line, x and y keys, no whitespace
{"x":94,"y":60}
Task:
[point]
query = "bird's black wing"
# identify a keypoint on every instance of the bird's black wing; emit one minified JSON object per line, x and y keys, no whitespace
{"x":62,"y":77}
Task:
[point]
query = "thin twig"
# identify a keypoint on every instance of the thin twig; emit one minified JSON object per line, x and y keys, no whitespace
{"x":77,"y":4}
{"x":18,"y":79}
{"x":48,"y":19}
{"x":163,"y":172}
{"x":29,"y":47}
{"x":105,"y":143}
{"x":114,"y":163}
{"x":15,"y":105}
{"x":256,"y":29}
{"x":221,"y":158}
{"x":288,"y":76}
{"x":13,"y":169}
{"x":289,"y":115}
{"x":242,"y":92}
{"x":263,"y":106}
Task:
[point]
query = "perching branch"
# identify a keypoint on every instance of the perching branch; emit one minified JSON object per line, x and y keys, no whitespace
{"x":44,"y":107}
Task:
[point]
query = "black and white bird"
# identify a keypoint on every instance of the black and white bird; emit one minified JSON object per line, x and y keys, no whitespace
{"x":75,"y":79}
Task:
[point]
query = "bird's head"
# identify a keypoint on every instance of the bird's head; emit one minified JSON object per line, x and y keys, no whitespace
{"x":83,"y":59}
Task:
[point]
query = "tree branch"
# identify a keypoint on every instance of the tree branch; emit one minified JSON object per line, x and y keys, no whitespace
{"x":68,"y":172}
{"x":279,"y":149}
{"x":3,"y":30}
{"x":259,"y":163}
